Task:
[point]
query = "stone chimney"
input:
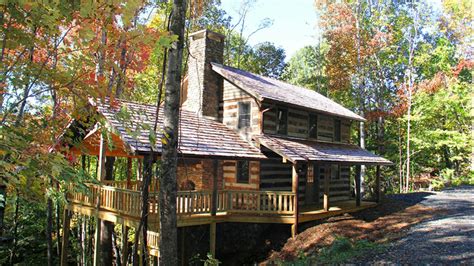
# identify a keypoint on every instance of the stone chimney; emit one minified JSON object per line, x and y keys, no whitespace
{"x":204,"y":86}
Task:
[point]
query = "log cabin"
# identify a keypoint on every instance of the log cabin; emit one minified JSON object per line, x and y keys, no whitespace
{"x":252,"y":149}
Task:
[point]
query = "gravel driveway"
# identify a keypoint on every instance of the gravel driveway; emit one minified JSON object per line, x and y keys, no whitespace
{"x":445,"y":239}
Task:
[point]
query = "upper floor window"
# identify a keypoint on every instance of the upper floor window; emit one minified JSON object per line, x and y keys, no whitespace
{"x":337,"y":130}
{"x":282,"y":121}
{"x":243,"y":172}
{"x":244,"y":115}
{"x":313,"y":126}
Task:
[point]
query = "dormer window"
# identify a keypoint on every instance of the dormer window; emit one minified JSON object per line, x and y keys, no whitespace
{"x":337,"y":130}
{"x":313,"y":126}
{"x":282,"y":121}
{"x":244,"y":115}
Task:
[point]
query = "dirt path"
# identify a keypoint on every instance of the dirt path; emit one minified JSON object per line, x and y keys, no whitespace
{"x":447,"y":238}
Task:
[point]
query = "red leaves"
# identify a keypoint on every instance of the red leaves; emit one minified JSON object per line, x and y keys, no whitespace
{"x":464,"y":63}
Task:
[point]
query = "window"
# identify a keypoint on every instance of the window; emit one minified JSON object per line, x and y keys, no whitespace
{"x":337,"y":130}
{"x":334,"y":171}
{"x":282,"y":121}
{"x":313,"y":126}
{"x":243,"y":171}
{"x":244,"y":115}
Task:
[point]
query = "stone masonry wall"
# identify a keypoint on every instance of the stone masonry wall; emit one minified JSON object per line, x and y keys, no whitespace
{"x":204,"y":88}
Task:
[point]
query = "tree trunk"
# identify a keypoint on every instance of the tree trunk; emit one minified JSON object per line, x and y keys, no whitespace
{"x":400,"y":157}
{"x":107,"y":227}
{"x":15,"y":229}
{"x":168,"y":186}
{"x":49,"y":231}
{"x":3,"y":202}
{"x":360,"y":91}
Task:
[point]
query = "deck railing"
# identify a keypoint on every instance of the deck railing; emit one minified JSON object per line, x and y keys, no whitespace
{"x":194,"y":202}
{"x":128,"y":202}
{"x":132,"y":185}
{"x":263,"y":202}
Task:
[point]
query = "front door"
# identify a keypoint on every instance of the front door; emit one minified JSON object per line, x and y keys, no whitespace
{"x":312,"y":184}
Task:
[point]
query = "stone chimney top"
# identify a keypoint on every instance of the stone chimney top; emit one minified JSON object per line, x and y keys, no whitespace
{"x":207,"y":33}
{"x":204,"y":86}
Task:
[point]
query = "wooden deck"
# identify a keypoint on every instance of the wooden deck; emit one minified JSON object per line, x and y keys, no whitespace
{"x":119,"y":205}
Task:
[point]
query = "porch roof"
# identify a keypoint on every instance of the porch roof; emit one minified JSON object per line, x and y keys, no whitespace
{"x":295,"y":149}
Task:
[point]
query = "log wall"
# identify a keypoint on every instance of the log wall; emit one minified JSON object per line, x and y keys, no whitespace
{"x":230,"y":107}
{"x":339,"y":188}
{"x":230,"y":176}
{"x":298,"y":124}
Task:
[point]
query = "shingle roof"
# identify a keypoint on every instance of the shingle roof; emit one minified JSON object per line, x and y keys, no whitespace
{"x":274,"y":90}
{"x":304,"y":150}
{"x":198,"y":136}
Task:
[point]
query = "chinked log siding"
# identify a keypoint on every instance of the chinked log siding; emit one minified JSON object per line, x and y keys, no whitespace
{"x":339,"y":189}
{"x":230,"y":176}
{"x":276,"y":176}
{"x":298,"y":124}
{"x":232,"y":95}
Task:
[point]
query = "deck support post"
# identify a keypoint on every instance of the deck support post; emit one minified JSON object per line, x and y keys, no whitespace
{"x":358,"y":184}
{"x":65,"y":242}
{"x":183,"y":246}
{"x":326,"y":204}
{"x":212,"y":238}
{"x":294,"y":189}
{"x":124,"y":244}
{"x":378,"y":195}
{"x":100,"y":177}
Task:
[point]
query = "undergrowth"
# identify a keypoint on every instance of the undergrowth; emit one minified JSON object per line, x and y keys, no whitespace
{"x":342,"y":250}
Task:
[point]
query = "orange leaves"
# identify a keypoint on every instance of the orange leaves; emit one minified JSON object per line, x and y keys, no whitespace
{"x":433,"y":85}
{"x":463,"y":64}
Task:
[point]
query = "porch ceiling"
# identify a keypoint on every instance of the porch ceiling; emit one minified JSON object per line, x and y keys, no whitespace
{"x":294,"y":150}
{"x":91,"y":145}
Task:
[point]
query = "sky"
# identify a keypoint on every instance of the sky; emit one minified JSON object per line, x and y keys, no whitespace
{"x":294,"y":22}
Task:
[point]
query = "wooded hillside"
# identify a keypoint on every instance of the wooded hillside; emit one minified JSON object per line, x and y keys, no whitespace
{"x":406,"y":67}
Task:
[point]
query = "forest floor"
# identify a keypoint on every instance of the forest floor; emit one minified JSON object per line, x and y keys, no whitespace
{"x":420,"y":228}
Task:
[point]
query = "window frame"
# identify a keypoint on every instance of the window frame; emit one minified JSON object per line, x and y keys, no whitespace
{"x":238,"y":172}
{"x":336,"y":132}
{"x":240,"y":114}
{"x":277,"y":124}
{"x":315,"y":116}
{"x":338,"y":176}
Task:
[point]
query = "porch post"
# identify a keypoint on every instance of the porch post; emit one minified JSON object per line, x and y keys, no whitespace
{"x":100,"y":177}
{"x":294,"y":189}
{"x":129,"y":172}
{"x":357,"y":182}
{"x":327,"y":175}
{"x":378,"y":195}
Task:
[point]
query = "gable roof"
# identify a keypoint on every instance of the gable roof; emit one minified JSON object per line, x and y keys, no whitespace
{"x":264,"y":88}
{"x":198,"y":136}
{"x":296,"y":150}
